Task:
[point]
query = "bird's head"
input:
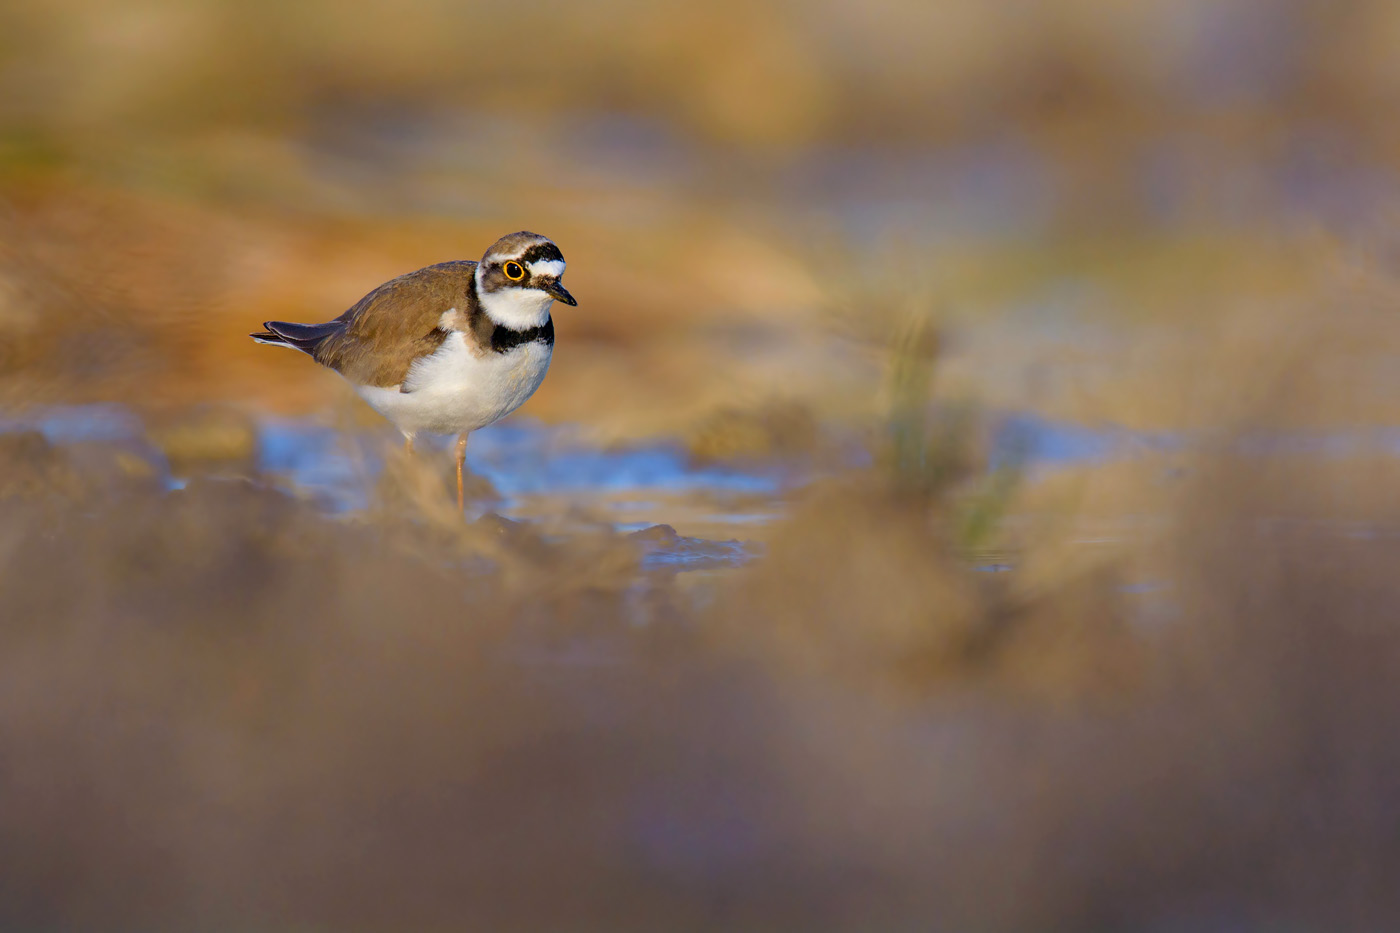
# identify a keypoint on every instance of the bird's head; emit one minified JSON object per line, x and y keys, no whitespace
{"x":518,"y":279}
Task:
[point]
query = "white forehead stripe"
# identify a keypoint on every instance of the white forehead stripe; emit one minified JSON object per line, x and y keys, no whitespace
{"x":547,"y":267}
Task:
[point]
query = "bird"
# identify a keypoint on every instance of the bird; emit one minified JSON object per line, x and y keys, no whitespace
{"x":449,"y":348}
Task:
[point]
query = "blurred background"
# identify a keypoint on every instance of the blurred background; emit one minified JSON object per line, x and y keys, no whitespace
{"x":964,"y":497}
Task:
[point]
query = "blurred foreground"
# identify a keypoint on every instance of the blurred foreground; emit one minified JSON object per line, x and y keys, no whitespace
{"x":225,"y":707}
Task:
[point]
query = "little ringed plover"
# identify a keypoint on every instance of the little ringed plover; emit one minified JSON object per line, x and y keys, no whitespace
{"x":447,"y":349}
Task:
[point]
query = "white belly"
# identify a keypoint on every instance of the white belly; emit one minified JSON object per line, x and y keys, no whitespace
{"x":456,"y":390}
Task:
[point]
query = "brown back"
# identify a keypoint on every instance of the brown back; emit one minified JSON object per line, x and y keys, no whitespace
{"x":396,"y":323}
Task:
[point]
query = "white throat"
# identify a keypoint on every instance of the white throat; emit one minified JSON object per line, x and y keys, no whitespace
{"x":515,"y":308}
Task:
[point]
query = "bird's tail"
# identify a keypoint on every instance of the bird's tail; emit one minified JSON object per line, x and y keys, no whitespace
{"x":303,"y":337}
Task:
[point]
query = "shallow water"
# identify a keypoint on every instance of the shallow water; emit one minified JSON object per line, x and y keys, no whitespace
{"x":687,"y":515}
{"x":526,"y":460}
{"x":540,"y":472}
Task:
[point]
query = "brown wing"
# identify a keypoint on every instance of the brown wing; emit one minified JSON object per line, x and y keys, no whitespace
{"x":393,"y":325}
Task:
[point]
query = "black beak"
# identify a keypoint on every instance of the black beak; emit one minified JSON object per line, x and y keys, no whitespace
{"x":559,"y":293}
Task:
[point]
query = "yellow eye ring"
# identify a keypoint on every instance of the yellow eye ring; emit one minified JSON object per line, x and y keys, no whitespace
{"x":514,"y":271}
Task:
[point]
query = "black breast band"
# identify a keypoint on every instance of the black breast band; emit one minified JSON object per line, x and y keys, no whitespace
{"x":504,"y":339}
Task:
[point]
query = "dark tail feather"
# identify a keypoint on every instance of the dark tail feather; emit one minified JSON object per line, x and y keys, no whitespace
{"x":303,"y":337}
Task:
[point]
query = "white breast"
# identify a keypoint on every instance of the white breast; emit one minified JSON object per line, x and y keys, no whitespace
{"x":456,"y":390}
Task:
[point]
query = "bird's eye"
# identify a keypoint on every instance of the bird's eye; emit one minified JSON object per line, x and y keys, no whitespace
{"x":514,"y":271}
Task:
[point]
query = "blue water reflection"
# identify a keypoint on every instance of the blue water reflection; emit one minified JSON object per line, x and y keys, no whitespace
{"x":541,"y":471}
{"x":524,"y":458}
{"x":521,"y":459}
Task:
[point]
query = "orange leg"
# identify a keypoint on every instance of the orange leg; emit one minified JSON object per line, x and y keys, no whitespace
{"x":408,"y":443}
{"x":461,"y":461}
